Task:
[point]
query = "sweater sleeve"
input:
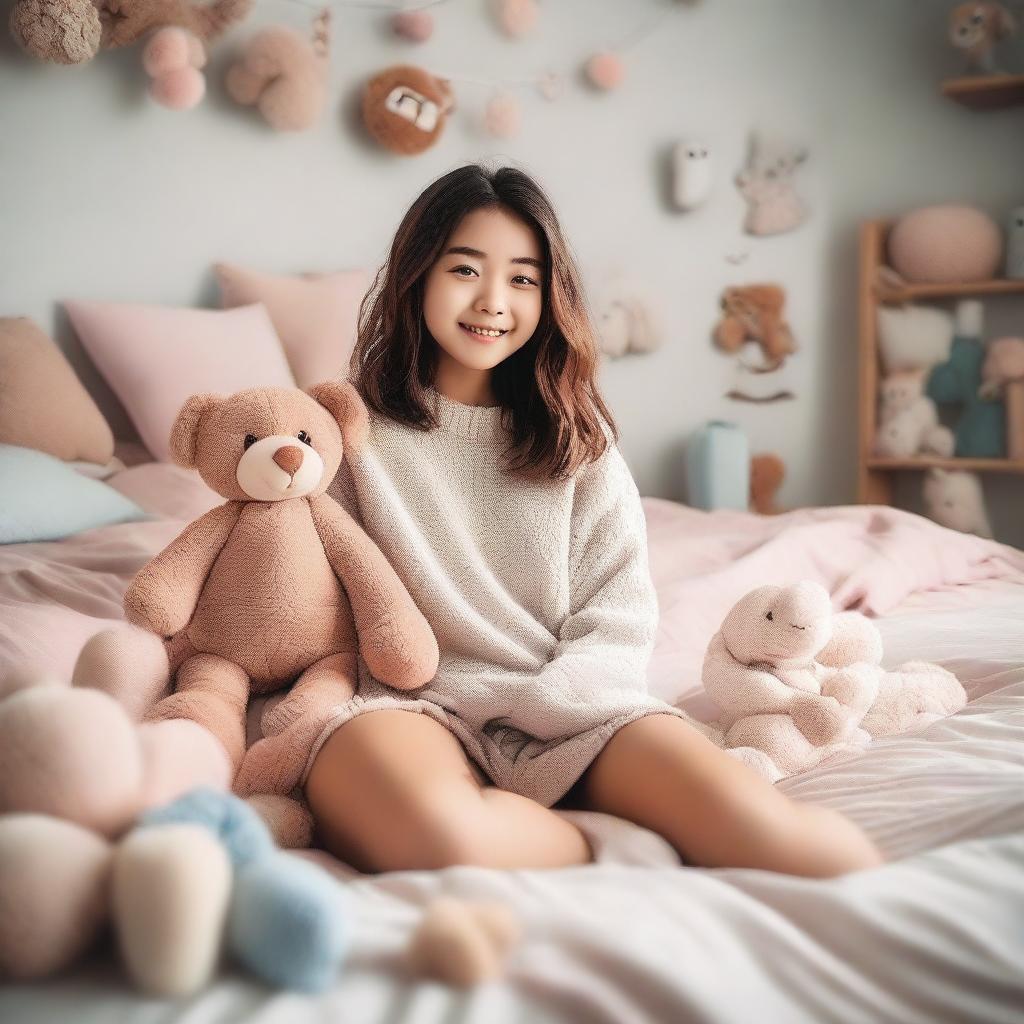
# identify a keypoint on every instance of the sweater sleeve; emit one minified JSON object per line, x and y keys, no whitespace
{"x":599,"y":668}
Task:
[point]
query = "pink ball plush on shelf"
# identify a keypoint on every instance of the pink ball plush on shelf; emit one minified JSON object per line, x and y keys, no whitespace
{"x":946,"y":244}
{"x":606,"y":70}
{"x":416,"y":26}
{"x":517,"y":17}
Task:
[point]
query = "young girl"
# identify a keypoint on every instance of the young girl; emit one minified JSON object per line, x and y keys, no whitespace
{"x":492,"y":482}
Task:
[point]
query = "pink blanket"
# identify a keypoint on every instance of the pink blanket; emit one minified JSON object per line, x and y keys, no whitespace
{"x":54,"y":596}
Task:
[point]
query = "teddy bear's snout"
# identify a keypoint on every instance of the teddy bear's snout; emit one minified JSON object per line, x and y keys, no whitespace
{"x":289,"y":458}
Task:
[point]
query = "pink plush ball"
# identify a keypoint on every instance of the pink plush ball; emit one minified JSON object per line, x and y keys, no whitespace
{"x":416,"y":26}
{"x":181,"y":89}
{"x":503,"y":116}
{"x":72,"y":754}
{"x":167,"y":50}
{"x":945,"y":244}
{"x":53,"y":893}
{"x":518,"y":17}
{"x":606,"y":70}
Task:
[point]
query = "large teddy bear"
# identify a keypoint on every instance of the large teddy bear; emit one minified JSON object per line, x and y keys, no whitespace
{"x":796,"y":683}
{"x":277,"y":587}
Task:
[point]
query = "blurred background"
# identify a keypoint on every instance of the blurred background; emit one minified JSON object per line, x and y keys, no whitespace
{"x":637,"y":118}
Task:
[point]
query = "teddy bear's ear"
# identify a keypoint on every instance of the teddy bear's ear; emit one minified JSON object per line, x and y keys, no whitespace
{"x":343,"y":402}
{"x":186,"y":428}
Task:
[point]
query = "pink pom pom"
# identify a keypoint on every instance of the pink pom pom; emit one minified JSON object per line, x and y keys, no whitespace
{"x":181,"y":89}
{"x":503,"y":116}
{"x":606,"y":70}
{"x":517,"y":17}
{"x":416,"y":26}
{"x":166,"y":51}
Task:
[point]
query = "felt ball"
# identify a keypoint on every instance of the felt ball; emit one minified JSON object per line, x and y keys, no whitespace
{"x":290,"y":823}
{"x":170,"y":892}
{"x":290,"y":922}
{"x":606,"y":70}
{"x":53,"y":893}
{"x":180,"y":89}
{"x":503,"y":116}
{"x":73,"y":754}
{"x":945,"y":244}
{"x":517,"y":17}
{"x":59,"y":31}
{"x":167,"y":50}
{"x":452,"y":943}
{"x":416,"y":26}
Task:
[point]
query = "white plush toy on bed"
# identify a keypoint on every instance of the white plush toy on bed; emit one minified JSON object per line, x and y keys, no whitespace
{"x":797,"y":683}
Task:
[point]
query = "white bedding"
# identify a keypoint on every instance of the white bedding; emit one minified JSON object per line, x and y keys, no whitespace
{"x":936,"y":935}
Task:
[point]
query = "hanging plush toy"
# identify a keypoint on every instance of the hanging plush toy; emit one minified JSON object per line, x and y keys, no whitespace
{"x":284,"y":75}
{"x":754,"y":312}
{"x":768,"y":186}
{"x":178,"y":33}
{"x":58,"y":31}
{"x":626,"y":319}
{"x":691,"y":178}
{"x":405,"y":107}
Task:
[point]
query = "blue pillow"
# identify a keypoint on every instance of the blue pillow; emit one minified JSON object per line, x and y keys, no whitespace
{"x":42,"y":498}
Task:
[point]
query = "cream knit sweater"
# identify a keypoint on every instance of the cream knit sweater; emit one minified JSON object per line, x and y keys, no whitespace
{"x":539,"y":593}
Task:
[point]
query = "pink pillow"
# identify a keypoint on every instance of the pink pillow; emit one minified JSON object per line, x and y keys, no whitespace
{"x":314,"y":314}
{"x":154,"y":357}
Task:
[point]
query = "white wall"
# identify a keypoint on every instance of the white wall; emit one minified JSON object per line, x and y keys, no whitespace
{"x":104,"y":195}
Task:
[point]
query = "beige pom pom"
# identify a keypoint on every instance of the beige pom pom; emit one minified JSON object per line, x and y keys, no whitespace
{"x":463,"y":943}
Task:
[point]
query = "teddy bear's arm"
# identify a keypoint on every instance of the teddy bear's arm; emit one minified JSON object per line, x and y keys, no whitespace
{"x":395,"y":639}
{"x":740,"y":690}
{"x":164,"y":594}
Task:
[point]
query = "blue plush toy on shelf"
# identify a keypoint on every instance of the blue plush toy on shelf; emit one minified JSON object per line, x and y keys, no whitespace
{"x":981,"y":429}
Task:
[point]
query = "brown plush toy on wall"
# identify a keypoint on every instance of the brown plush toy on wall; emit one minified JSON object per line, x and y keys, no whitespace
{"x":278,"y":586}
{"x":125,"y":21}
{"x":404,"y":109}
{"x":754,"y":312}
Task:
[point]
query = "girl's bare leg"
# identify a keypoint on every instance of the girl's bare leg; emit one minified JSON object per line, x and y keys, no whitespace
{"x":661,"y":773}
{"x":394,"y":790}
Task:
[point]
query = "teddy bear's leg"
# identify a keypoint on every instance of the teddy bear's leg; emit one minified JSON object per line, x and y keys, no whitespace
{"x":778,"y":737}
{"x":917,"y":689}
{"x":213,"y":692}
{"x":130,"y":664}
{"x":323,"y":686}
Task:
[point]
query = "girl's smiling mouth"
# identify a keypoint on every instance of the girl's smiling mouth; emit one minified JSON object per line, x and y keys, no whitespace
{"x":483,"y":334}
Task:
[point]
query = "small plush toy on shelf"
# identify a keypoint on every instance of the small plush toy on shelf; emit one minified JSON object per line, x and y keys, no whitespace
{"x":976,"y":28}
{"x":955,"y":499}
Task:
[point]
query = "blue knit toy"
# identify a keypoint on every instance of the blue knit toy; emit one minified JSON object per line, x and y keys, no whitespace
{"x":289,"y":921}
{"x":981,"y":430}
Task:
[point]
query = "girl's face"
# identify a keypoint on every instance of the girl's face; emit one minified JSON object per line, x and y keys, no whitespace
{"x":488,"y":277}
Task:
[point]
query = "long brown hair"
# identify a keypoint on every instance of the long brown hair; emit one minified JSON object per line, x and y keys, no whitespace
{"x":547,"y":389}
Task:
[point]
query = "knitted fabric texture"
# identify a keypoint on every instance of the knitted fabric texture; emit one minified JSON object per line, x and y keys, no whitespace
{"x":538,"y":591}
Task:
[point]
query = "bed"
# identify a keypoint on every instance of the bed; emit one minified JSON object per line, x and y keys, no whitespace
{"x":935,"y":935}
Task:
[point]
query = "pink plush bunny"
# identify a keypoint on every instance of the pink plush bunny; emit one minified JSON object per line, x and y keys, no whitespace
{"x":797,"y":684}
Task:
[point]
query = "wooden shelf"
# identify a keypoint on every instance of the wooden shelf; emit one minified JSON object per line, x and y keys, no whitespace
{"x":923,"y":462}
{"x":986,"y":92}
{"x":1000,"y":286}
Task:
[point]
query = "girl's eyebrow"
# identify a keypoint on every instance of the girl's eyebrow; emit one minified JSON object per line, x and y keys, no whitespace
{"x":465,"y":250}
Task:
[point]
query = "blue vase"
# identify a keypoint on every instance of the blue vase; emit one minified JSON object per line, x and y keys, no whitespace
{"x":718,"y":467}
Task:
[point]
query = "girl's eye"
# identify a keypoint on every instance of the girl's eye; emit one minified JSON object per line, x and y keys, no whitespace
{"x":305,"y":438}
{"x":455,"y":270}
{"x":250,"y":440}
{"x":523,"y":277}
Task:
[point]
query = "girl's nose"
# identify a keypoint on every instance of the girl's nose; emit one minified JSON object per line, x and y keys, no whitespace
{"x":491,"y":302}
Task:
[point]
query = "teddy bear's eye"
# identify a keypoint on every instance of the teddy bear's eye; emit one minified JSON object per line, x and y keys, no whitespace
{"x":770,"y":617}
{"x":305,"y":438}
{"x":250,"y":440}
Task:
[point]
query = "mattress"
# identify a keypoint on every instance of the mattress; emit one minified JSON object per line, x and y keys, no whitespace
{"x":934,"y":935}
